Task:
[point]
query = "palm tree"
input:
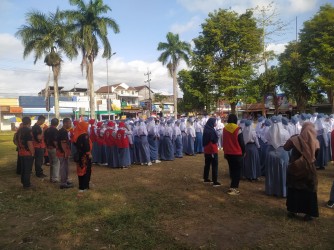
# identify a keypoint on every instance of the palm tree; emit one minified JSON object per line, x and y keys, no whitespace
{"x":89,"y":27}
{"x":173,"y":52}
{"x":47,"y":36}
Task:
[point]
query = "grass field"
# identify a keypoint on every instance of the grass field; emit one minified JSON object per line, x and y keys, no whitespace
{"x":165,"y":206}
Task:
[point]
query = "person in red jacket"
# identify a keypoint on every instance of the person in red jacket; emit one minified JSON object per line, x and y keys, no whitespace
{"x":234,"y":149}
{"x":93,"y":138}
{"x":123,"y":145}
{"x":210,"y":144}
{"x":111,"y":147}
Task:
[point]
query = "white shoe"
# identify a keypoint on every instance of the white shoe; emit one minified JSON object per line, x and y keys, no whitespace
{"x":233,"y":191}
{"x":149,"y":164}
{"x":157,"y":161}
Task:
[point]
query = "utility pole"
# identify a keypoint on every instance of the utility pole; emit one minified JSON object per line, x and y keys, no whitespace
{"x":108,"y":99}
{"x":149,"y":88}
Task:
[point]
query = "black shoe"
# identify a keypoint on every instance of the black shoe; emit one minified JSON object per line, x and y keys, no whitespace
{"x":320,"y":168}
{"x":41,"y":175}
{"x":216,"y":184}
{"x":292,"y":215}
{"x":62,"y":186}
{"x":330,"y":204}
{"x":207,"y":181}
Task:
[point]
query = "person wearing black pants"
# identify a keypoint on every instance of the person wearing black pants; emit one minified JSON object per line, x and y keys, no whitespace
{"x":26,"y":151}
{"x":235,"y":163}
{"x":84,"y":161}
{"x":234,"y":150}
{"x":210,"y":144}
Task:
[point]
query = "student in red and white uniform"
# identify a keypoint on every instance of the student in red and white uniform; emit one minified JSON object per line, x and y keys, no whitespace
{"x":93,"y":139}
{"x":122,"y":142}
{"x":111,"y":147}
{"x":101,"y":149}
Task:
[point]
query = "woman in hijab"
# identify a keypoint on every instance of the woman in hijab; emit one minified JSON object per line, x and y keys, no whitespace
{"x":210,"y":144}
{"x":322,"y":157}
{"x":84,"y":147}
{"x":184,"y":135}
{"x":234,"y":150}
{"x":191,"y":135}
{"x":219,"y":129}
{"x":251,"y":167}
{"x":199,"y":136}
{"x":167,"y":147}
{"x":178,"y":147}
{"x":302,"y":175}
{"x":277,"y":159}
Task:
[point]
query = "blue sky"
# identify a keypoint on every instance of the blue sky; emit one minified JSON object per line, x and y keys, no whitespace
{"x":143,"y":24}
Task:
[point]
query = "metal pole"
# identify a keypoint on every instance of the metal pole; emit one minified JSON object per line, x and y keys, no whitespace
{"x":149,"y":89}
{"x":108,"y":100}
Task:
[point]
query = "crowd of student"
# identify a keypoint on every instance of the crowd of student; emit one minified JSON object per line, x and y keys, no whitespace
{"x":251,"y":150}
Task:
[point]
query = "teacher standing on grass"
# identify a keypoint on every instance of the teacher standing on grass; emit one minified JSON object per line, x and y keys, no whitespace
{"x":210,"y":144}
{"x":234,"y":150}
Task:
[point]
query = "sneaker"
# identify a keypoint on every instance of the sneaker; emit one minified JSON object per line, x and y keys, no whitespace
{"x":207,"y":181}
{"x":233,"y":191}
{"x":62,"y":186}
{"x":149,"y":164}
{"x":330,"y":204}
{"x":157,"y":161}
{"x":216,"y":184}
{"x":42,"y":176}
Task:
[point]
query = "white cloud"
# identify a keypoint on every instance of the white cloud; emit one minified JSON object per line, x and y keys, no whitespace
{"x":301,"y":6}
{"x":277,"y":48}
{"x":290,"y":6}
{"x":22,"y":77}
{"x":203,"y":5}
{"x":193,"y":24}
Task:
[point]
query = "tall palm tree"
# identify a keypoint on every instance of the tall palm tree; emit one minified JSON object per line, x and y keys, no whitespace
{"x":89,"y":27}
{"x":173,"y":52}
{"x":47,"y":36}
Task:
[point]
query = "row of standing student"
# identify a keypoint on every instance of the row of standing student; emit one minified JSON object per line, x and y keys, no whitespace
{"x":144,"y":142}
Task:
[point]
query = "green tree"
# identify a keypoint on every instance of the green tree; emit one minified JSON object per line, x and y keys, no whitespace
{"x":229,"y":44}
{"x":174,"y":51}
{"x":268,"y":21}
{"x":317,"y":43}
{"x":294,"y":75}
{"x":90,"y":28}
{"x":47,"y":36}
{"x":268,"y":81}
{"x":194,"y":92}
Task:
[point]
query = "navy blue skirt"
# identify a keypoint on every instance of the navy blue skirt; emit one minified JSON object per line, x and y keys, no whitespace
{"x":276,"y":165}
{"x":251,"y":167}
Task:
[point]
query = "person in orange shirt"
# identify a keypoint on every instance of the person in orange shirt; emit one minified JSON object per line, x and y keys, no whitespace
{"x":39,"y":145}
{"x":26,"y":151}
{"x":84,"y":147}
{"x":50,"y":136}
{"x":63,"y":153}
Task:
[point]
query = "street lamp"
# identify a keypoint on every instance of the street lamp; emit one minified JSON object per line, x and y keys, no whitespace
{"x":76,"y":101}
{"x":108,"y":101}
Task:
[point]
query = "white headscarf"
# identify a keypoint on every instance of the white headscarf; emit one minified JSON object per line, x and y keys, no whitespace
{"x":277,"y":134}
